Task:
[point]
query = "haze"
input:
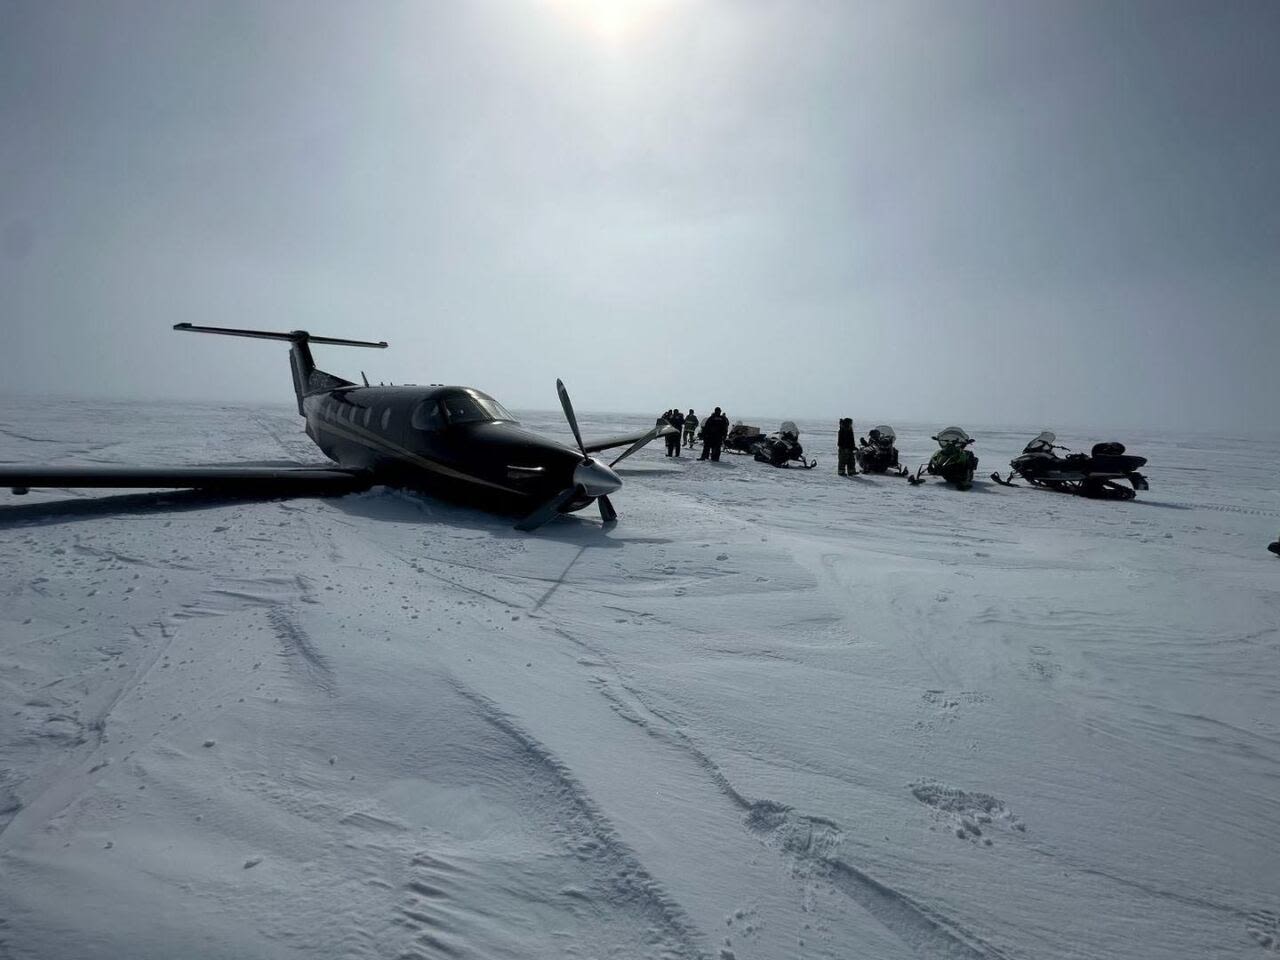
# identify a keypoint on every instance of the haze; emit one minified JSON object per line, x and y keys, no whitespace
{"x":1004,"y":212}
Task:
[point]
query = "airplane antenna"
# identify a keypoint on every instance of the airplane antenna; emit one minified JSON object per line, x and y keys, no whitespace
{"x":364,"y":378}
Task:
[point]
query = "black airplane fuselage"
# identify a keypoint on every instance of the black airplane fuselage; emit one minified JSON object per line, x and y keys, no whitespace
{"x":451,"y":441}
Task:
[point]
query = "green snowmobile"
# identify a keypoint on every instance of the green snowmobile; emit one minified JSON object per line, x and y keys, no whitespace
{"x":953,"y":462}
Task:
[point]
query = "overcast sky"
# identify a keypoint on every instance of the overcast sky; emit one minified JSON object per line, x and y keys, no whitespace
{"x":1048,"y":212}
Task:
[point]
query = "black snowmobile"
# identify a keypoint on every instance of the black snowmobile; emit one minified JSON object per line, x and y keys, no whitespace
{"x":783,"y":448}
{"x":1092,"y":475}
{"x":876,"y":452}
{"x":953,"y":462}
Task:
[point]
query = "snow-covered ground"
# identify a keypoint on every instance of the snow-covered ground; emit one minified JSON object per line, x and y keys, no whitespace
{"x":771,"y":714}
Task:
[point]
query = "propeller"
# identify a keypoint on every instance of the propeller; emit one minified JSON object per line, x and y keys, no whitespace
{"x":548,"y":510}
{"x":653,"y":434}
{"x":567,"y":406}
{"x":607,"y":513}
{"x":589,"y":478}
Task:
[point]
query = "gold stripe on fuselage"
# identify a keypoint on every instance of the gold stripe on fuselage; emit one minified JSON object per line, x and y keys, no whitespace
{"x":368,"y":437}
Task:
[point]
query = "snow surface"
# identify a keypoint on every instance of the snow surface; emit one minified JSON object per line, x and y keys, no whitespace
{"x":771,"y":714}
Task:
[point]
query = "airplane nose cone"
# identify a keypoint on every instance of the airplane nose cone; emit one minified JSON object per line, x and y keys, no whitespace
{"x":596,"y":479}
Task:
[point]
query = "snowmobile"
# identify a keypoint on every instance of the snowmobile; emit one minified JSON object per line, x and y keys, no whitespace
{"x":782,"y":448}
{"x":1092,"y":475}
{"x":1274,"y":547}
{"x":876,"y":452}
{"x":953,"y":462}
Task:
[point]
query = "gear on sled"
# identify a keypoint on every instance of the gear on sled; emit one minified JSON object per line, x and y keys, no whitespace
{"x":742,"y":438}
{"x":1095,"y":475}
{"x":783,"y":448}
{"x":953,"y":462}
{"x":780,"y":449}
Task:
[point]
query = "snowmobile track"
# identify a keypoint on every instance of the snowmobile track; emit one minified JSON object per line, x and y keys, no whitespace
{"x":633,"y":883}
{"x":296,"y":645}
{"x":1220,"y":507}
{"x":813,"y":842}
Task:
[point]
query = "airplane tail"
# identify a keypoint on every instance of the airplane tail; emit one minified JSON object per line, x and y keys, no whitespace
{"x":307,"y":379}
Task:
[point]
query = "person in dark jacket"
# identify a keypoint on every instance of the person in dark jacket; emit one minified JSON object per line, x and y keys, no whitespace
{"x":690,"y":427}
{"x":676,"y":419}
{"x":714,"y":430}
{"x":845,"y":447}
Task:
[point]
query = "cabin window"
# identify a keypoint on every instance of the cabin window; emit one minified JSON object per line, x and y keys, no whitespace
{"x":386,"y":418}
{"x":365,"y":417}
{"x":427,"y":416}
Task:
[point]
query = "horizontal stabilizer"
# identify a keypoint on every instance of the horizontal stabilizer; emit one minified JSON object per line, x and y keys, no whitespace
{"x":293,"y":336}
{"x":245,"y":481}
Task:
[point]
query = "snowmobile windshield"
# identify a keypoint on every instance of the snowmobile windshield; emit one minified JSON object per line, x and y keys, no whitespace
{"x":886,"y":436}
{"x":1041,"y":444}
{"x":789,"y":429}
{"x":953,"y":437}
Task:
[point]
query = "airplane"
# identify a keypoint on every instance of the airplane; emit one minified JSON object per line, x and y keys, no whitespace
{"x":446,"y":440}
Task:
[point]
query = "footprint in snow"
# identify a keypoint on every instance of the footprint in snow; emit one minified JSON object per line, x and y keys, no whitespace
{"x":1264,"y":928}
{"x":973,"y":815}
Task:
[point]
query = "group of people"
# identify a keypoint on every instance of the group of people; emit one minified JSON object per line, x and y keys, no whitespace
{"x":714,"y":430}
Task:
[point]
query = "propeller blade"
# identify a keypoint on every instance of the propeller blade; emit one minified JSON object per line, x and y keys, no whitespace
{"x":568,"y":415}
{"x":547,"y":511}
{"x":647,"y":438}
{"x":607,"y":513}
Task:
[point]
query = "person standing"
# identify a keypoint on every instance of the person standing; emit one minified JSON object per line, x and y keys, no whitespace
{"x":714,"y":430}
{"x":846,"y":444}
{"x":690,"y":427}
{"x":676,"y":419}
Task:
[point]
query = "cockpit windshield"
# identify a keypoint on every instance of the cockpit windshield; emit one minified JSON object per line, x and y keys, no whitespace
{"x":473,"y":408}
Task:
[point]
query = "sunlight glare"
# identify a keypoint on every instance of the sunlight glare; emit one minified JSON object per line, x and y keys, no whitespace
{"x":612,"y":21}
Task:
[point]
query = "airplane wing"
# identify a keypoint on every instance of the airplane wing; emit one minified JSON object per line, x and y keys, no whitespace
{"x":244,"y":481}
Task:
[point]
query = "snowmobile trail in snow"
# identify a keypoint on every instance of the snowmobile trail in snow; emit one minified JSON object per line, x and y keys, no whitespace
{"x":771,"y":714}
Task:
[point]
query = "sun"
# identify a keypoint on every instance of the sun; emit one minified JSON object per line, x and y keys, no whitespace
{"x":612,"y":21}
